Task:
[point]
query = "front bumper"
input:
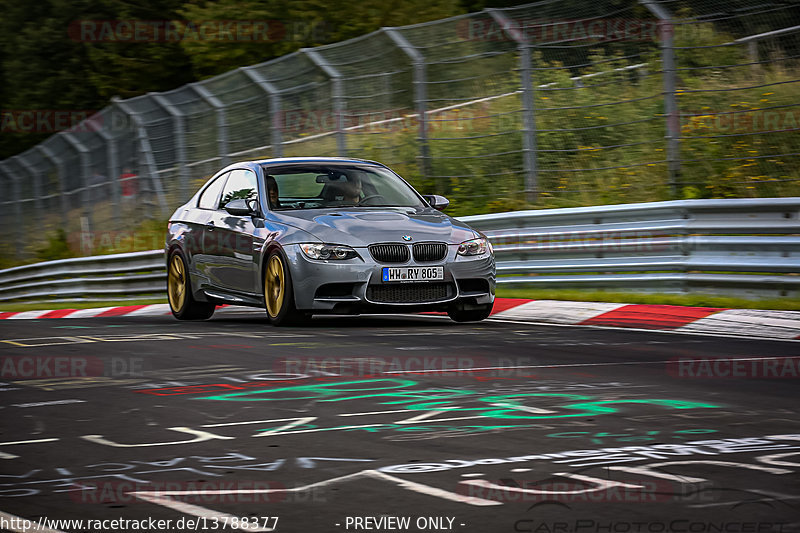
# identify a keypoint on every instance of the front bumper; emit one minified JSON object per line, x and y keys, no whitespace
{"x":355,"y":285}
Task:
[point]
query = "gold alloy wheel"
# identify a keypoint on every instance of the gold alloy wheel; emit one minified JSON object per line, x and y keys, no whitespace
{"x":274,"y":286}
{"x":176,"y":283}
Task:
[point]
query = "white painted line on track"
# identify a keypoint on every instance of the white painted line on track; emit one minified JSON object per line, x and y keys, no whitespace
{"x":645,"y":330}
{"x":6,"y":455}
{"x":26,"y":442}
{"x":572,"y":365}
{"x":251,"y":422}
{"x":163,"y":497}
{"x":340,"y":428}
{"x":375,"y":413}
{"x":201,"y":512}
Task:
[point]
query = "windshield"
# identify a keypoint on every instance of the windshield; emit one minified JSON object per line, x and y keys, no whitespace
{"x":315,"y":186}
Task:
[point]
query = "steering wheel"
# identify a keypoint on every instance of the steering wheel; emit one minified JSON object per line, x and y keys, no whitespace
{"x":369,"y":197}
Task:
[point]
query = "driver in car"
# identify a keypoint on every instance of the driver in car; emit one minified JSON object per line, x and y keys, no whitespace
{"x":272,"y":190}
{"x":351,"y":189}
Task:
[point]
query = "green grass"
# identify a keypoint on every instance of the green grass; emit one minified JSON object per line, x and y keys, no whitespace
{"x":43,"y":306}
{"x":694,"y":300}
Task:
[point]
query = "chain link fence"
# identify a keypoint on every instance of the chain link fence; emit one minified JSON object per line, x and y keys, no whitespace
{"x":551,"y":104}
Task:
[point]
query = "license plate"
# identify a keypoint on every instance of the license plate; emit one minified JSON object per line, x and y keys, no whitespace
{"x":391,"y":274}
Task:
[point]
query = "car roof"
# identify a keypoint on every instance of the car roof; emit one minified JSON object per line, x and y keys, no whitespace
{"x":314,"y":159}
{"x":279,"y":160}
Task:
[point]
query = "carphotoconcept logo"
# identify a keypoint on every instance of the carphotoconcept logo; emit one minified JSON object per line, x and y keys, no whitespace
{"x":677,"y":525}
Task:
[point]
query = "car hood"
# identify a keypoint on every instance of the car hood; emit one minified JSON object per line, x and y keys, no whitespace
{"x":362,"y":226}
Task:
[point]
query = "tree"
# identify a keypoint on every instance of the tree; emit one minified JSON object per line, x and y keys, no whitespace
{"x":297,"y":24}
{"x":45,"y":64}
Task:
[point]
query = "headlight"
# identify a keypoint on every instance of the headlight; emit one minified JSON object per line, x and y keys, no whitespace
{"x":477,"y":246}
{"x":328,"y":251}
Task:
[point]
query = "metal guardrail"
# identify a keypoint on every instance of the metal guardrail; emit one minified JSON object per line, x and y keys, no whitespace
{"x":88,"y":278}
{"x":742,"y":247}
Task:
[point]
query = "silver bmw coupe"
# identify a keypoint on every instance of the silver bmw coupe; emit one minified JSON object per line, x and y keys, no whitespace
{"x":303,"y":236}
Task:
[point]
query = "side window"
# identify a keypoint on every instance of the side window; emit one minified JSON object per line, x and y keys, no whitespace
{"x":241,"y":184}
{"x":208,"y":200}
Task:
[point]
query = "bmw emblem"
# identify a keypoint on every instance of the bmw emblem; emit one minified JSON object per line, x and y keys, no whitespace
{"x":406,"y":237}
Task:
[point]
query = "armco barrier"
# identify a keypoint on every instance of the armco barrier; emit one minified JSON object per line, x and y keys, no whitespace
{"x":741,"y":247}
{"x":117,"y":276}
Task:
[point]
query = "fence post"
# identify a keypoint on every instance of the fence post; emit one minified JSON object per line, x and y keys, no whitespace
{"x":35,"y":176}
{"x":16,"y":198}
{"x":113,"y":168}
{"x":150,"y":164}
{"x":752,"y":43}
{"x":275,"y":108}
{"x":222,"y":121}
{"x":147,"y":151}
{"x":86,"y":167}
{"x":48,"y":153}
{"x":673,"y":129}
{"x":529,"y":146}
{"x":180,"y":140}
{"x":338,"y":96}
{"x":420,"y":81}
{"x":6,"y":205}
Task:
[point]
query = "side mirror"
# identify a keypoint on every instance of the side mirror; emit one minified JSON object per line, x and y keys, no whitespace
{"x":239,"y":208}
{"x":437,"y":202}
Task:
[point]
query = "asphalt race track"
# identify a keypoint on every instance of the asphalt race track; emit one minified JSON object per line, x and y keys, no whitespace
{"x":394,"y":424}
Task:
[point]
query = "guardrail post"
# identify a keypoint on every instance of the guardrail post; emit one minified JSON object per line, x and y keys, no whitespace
{"x":222,"y":121}
{"x":180,"y":140}
{"x":528,"y":104}
{"x":337,"y":94}
{"x":420,"y":99}
{"x":16,"y":199}
{"x":274,"y":105}
{"x":86,"y":169}
{"x":61,"y":177}
{"x":673,"y":128}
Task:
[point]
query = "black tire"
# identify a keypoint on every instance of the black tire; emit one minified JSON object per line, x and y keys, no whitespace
{"x":279,"y":293}
{"x":179,"y":291}
{"x":459,"y":314}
